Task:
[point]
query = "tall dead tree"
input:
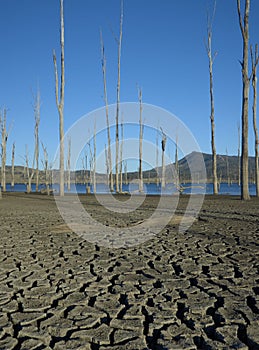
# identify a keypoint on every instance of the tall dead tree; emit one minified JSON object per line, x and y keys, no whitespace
{"x":60,"y":99}
{"x":94,"y":160}
{"x":107,"y":165}
{"x":238,"y":156}
{"x":227,"y":167}
{"x":254,"y":60}
{"x":211,"y":57}
{"x":163,"y":144}
{"x":157,"y":174}
{"x":29,"y":171}
{"x":109,"y":156}
{"x":118,"y":102}
{"x":46,"y":168}
{"x":4,"y":134}
{"x":140,"y":141}
{"x":125,"y":173}
{"x":36,"y":136}
{"x":13,"y":155}
{"x":69,"y":165}
{"x":244,"y":27}
{"x":121,"y":153}
{"x":177,"y":182}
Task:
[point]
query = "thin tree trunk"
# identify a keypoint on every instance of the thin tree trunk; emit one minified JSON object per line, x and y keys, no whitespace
{"x":13,"y":154}
{"x":94,"y":160}
{"x":125,"y":173}
{"x":244,"y":27}
{"x":107,"y":166}
{"x":118,"y":103}
{"x":3,"y":145}
{"x":238,"y":155}
{"x":177,"y":165}
{"x":121,"y":154}
{"x":254,"y":59}
{"x":36,"y":136}
{"x":90,"y":166}
{"x":46,"y":168}
{"x":212,"y":112}
{"x":30,"y":173}
{"x":60,"y":101}
{"x":140,"y":142}
{"x":69,"y":165}
{"x":157,"y":175}
{"x":163,"y":144}
{"x":109,"y":158}
{"x":227,"y":167}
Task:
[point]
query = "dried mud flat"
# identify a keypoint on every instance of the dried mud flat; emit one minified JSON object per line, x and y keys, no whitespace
{"x":197,"y":289}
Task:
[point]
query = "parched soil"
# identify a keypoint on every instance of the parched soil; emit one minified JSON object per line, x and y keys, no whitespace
{"x":181,"y":289}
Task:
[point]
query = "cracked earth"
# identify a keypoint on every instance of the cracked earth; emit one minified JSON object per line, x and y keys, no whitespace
{"x":197,"y":289}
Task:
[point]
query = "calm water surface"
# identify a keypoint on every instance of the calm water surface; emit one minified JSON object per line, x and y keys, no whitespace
{"x":151,"y":188}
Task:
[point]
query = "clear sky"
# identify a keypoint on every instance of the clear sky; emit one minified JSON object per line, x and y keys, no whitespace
{"x":163,"y":51}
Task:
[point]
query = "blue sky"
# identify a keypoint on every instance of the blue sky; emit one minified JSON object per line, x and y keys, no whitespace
{"x":163,"y":51}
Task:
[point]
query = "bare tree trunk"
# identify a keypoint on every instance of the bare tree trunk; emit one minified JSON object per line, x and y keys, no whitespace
{"x":46,"y":168}
{"x":157,"y":175}
{"x":254,"y":59}
{"x":109,"y":158}
{"x":36,"y":136}
{"x":163,"y":144}
{"x":212,"y":113}
{"x":69,"y":165}
{"x":13,"y":154}
{"x":29,"y":173}
{"x":121,"y":154}
{"x":94,"y":160}
{"x":118,"y":103}
{"x":244,"y":27}
{"x":4,"y":134}
{"x":140,"y":142}
{"x":125,"y":173}
{"x":107,"y":166}
{"x":60,"y":101}
{"x":177,"y":165}
{"x":227,"y":167}
{"x":238,"y":155}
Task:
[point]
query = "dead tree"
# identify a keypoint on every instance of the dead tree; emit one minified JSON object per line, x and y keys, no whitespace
{"x":212,"y":112}
{"x":94,"y":160}
{"x":69,"y":165}
{"x":46,"y":168}
{"x":163,"y":144}
{"x":4,"y":134}
{"x":238,"y":155}
{"x":36,"y":136}
{"x":13,"y":155}
{"x":90,"y":167}
{"x":227,"y":167}
{"x":157,"y":174}
{"x":60,"y":99}
{"x":84,"y":166}
{"x":254,"y":60}
{"x":125,"y":173}
{"x":244,"y":27}
{"x":177,"y":182}
{"x":121,"y":153}
{"x":118,"y":102}
{"x":107,"y":165}
{"x":109,"y":156}
{"x":140,"y":141}
{"x":29,"y":171}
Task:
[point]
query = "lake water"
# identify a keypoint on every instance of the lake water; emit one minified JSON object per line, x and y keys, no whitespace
{"x":151,"y":188}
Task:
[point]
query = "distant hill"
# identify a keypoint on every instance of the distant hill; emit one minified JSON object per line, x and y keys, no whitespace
{"x":227,"y":168}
